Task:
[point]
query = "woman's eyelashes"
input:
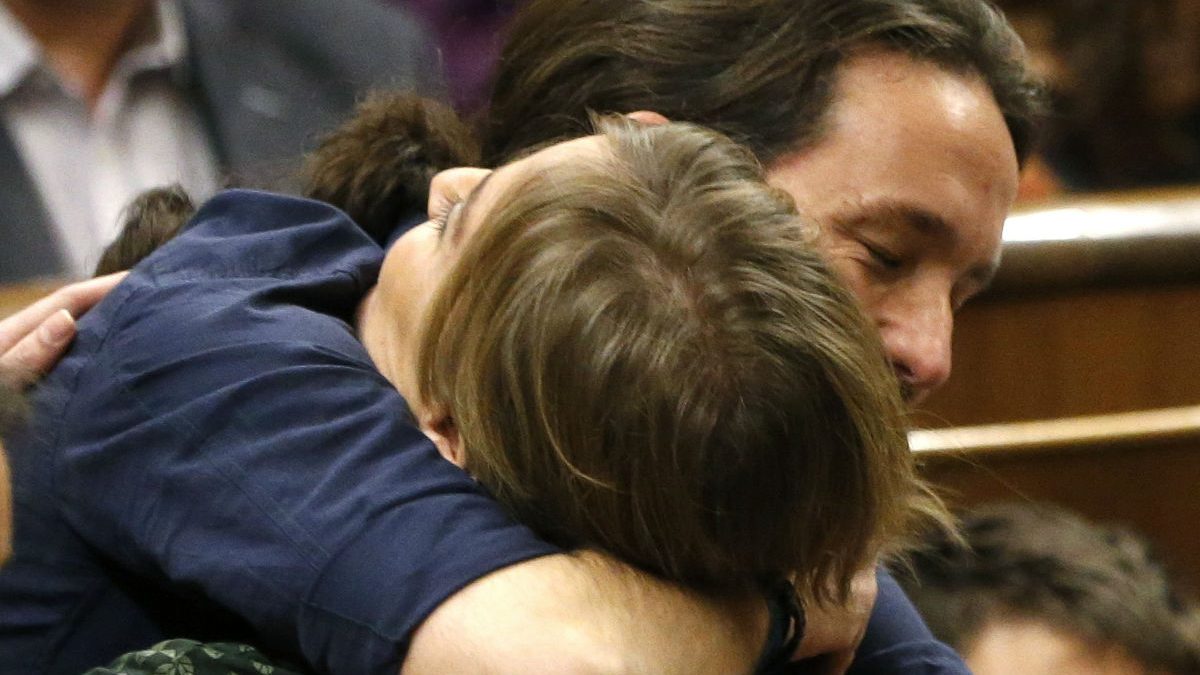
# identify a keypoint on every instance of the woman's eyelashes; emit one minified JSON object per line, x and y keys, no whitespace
{"x":441,"y":219}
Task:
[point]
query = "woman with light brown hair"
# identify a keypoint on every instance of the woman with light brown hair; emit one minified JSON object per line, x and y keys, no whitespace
{"x":640,"y":350}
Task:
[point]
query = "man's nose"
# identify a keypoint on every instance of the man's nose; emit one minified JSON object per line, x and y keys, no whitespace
{"x":918,"y":345}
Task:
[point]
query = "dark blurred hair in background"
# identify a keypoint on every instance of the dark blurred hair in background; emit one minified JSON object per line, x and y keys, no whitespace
{"x":1126,"y":78}
{"x":1042,"y":564}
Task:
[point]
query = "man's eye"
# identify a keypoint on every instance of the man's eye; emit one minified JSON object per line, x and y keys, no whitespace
{"x":885,"y":258}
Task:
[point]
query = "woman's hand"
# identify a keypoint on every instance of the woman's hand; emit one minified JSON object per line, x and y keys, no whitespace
{"x":35,"y":338}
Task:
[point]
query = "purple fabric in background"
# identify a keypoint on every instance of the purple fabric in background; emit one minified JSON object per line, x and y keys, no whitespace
{"x":469,"y":34}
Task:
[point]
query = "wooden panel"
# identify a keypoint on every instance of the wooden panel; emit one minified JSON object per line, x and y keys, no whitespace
{"x":13,"y":298}
{"x":1141,"y":470}
{"x":1072,"y":352}
{"x":1125,"y":239}
{"x":1096,"y":309}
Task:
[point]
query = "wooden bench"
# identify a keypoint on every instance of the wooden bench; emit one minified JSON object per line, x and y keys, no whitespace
{"x":1095,"y":310}
{"x":1141,"y":469}
{"x":15,"y":297}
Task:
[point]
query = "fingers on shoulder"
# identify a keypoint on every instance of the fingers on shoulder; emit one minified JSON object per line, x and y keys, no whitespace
{"x":38,"y":351}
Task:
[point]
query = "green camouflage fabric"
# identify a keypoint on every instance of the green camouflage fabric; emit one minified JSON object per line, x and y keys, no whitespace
{"x":188,"y":657}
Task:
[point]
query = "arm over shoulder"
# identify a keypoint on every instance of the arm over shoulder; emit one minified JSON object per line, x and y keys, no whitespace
{"x":585,"y":614}
{"x":350,"y":531}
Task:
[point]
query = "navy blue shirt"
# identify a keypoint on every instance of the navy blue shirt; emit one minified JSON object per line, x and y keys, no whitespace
{"x":218,"y":458}
{"x":898,"y":641}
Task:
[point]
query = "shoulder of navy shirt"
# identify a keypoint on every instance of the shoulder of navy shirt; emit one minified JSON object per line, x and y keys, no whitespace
{"x":218,"y":458}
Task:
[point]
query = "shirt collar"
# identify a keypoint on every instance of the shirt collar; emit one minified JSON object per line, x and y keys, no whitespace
{"x":162,"y":45}
{"x":19,"y":54}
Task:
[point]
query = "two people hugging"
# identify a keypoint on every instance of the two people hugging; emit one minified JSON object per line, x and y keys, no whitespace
{"x":628,"y":340}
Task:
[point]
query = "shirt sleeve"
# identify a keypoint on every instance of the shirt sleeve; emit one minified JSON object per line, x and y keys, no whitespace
{"x":247,"y":452}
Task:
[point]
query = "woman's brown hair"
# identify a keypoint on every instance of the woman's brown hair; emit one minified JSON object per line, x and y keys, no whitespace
{"x":646,"y":354}
{"x":643,"y":354}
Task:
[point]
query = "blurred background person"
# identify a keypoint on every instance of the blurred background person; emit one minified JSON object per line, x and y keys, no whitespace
{"x":469,"y":34}
{"x":101,"y":100}
{"x":1039,"y":590}
{"x":1126,"y":78}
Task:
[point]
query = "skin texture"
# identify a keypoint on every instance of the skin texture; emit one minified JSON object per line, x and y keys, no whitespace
{"x":637,"y":632}
{"x":1033,"y":648}
{"x":910,"y":185}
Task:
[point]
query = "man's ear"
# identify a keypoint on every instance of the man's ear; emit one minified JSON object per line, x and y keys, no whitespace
{"x":648,"y":117}
{"x":440,"y":429}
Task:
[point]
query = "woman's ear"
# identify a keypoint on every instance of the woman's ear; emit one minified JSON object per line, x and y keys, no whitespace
{"x":440,"y":429}
{"x":452,"y":185}
{"x":648,"y":117}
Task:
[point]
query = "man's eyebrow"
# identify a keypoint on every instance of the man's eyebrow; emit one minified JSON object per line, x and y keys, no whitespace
{"x":454,"y":229}
{"x":932,"y":225}
{"x":928,"y":224}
